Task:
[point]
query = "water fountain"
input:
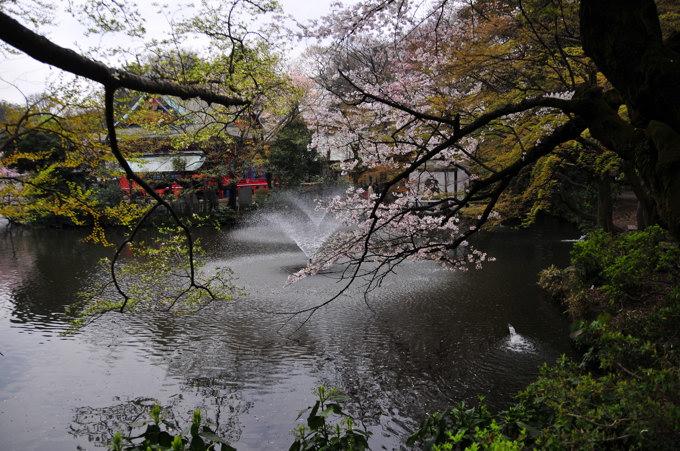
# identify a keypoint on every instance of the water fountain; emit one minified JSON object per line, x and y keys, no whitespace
{"x":516,"y":342}
{"x":298,"y":217}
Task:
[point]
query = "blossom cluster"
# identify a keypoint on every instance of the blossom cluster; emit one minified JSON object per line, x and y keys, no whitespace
{"x":380,"y":236}
{"x":411,"y":85}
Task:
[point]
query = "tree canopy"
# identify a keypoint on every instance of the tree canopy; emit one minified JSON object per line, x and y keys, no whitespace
{"x":510,"y":91}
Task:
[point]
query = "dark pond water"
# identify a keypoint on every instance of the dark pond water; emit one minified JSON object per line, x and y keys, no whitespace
{"x":427,"y":339}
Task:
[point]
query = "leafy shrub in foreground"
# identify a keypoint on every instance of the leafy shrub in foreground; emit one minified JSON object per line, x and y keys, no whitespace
{"x":318,"y":434}
{"x":463,"y":427}
{"x":161,"y":434}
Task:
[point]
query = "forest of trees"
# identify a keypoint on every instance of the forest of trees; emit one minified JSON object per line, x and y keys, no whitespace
{"x":549,"y":107}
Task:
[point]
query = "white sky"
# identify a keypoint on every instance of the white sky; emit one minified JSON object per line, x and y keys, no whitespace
{"x":21,"y":76}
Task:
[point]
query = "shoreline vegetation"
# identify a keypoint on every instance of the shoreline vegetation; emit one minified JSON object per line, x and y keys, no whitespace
{"x":622,"y":293}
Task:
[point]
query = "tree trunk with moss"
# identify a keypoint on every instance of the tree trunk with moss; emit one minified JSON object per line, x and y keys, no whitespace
{"x":624,"y":39}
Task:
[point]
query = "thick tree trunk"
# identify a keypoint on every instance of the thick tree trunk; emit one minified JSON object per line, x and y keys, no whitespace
{"x":646,"y":213}
{"x":624,"y":39}
{"x":605,"y":205}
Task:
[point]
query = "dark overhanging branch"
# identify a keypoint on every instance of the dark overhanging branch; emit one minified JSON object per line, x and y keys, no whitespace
{"x":468,"y":129}
{"x":459,"y":132}
{"x":113,"y":143}
{"x":46,"y":51}
{"x":568,"y":131}
{"x":498,"y":182}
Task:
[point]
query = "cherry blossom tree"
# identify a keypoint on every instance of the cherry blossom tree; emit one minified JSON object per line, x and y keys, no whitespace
{"x":494,"y":87}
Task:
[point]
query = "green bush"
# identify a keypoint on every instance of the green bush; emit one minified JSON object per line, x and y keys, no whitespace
{"x":319,"y":434}
{"x":463,"y":427}
{"x":160,"y":434}
{"x":224,"y":216}
{"x":625,"y":265}
{"x":574,"y":409}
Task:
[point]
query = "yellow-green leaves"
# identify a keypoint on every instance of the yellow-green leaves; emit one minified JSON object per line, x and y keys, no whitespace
{"x":156,"y":275}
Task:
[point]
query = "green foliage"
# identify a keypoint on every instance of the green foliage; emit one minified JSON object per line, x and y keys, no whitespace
{"x":625,"y":265}
{"x":566,"y":288}
{"x":156,"y":275}
{"x":57,"y":165}
{"x":576,"y":409}
{"x":35,"y":149}
{"x":161,"y":434}
{"x":319,"y":434}
{"x":611,"y":272}
{"x":290,"y":159}
{"x":464,"y":427}
{"x":260,"y":197}
{"x":224,"y":216}
{"x":109,"y":194}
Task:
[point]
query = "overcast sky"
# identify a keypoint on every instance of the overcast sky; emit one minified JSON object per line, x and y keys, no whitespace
{"x":22,"y":76}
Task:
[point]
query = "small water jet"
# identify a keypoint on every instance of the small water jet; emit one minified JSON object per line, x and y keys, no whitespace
{"x":298,"y":217}
{"x":517,"y":343}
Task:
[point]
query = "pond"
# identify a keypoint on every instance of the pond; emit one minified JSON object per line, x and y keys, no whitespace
{"x":426,"y":340}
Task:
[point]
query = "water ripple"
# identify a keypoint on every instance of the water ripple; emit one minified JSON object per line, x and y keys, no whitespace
{"x":427,"y":339}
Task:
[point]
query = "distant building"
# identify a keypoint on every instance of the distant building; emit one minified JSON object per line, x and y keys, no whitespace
{"x":437,"y":180}
{"x":149,"y":133}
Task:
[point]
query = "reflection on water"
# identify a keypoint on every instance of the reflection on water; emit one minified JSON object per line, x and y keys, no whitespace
{"x":427,"y":339}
